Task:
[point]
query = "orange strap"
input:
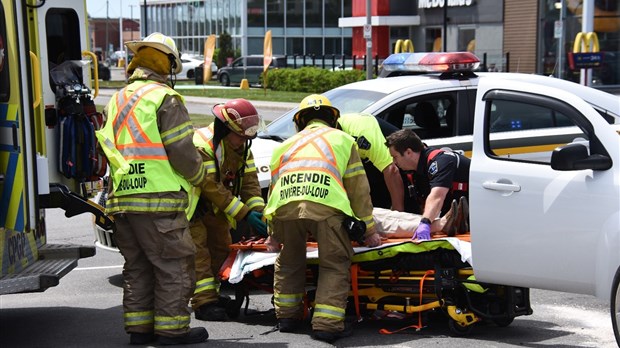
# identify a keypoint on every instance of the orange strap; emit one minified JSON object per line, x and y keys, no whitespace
{"x":227,"y":265}
{"x":356,"y":297}
{"x":419,"y":325}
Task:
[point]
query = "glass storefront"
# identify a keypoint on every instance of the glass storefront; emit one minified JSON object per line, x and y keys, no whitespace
{"x":310,"y":27}
{"x":559,"y":28}
{"x":298,"y":26}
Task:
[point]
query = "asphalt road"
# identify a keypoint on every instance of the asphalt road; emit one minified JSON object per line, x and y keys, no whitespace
{"x":85,"y":311}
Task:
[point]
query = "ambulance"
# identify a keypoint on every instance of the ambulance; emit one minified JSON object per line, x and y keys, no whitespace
{"x":47,"y":123}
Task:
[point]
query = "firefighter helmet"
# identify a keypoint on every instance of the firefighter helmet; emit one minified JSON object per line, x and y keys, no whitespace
{"x":316,"y":106}
{"x":162,"y":43}
{"x":240,"y":116}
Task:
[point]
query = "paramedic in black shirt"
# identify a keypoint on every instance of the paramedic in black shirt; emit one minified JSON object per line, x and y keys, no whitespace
{"x":441,"y":177}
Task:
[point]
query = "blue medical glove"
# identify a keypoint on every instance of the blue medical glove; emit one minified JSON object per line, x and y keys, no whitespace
{"x":423,"y":232}
{"x":255,"y":219}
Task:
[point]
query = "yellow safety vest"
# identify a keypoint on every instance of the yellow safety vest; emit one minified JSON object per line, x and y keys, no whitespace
{"x":366,"y":125}
{"x":310,"y":166}
{"x":138,"y":160}
{"x":203,"y":138}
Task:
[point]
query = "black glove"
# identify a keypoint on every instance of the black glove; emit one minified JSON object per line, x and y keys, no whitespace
{"x":355,"y":228}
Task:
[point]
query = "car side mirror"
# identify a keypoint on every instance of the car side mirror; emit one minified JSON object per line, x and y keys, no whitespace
{"x":576,"y":157}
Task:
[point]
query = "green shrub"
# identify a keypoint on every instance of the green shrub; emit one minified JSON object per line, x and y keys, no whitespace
{"x":311,"y":79}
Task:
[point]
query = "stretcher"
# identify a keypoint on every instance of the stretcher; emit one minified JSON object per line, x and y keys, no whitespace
{"x":399,"y":279}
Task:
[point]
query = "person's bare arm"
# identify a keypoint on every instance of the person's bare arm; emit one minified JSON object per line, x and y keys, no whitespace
{"x":434,"y":202}
{"x":395,"y":186}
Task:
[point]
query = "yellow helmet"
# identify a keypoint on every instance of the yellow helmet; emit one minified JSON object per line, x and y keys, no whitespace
{"x":315,"y":106}
{"x":162,"y":43}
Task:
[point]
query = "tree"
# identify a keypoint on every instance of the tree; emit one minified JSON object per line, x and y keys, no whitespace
{"x":225,"y":49}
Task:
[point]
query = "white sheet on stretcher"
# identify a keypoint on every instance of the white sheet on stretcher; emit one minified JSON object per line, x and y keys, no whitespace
{"x":248,"y":260}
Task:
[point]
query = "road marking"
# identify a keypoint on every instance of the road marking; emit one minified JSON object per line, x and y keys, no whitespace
{"x":91,"y":268}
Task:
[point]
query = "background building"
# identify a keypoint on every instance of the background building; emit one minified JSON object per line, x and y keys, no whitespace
{"x":530,"y":36}
{"x":105,"y":38}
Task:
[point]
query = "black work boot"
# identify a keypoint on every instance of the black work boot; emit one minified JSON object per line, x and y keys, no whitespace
{"x":141,"y":338}
{"x":289,"y":324}
{"x":451,"y":226}
{"x":211,"y":312}
{"x":195,"y":335}
{"x":223,"y":300}
{"x":331,"y":336}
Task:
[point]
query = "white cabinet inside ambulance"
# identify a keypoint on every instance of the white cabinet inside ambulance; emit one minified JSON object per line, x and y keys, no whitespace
{"x":44,"y":84}
{"x":554,"y":222}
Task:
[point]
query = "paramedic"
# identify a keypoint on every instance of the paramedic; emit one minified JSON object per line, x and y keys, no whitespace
{"x":317,"y":182}
{"x":441,"y":179}
{"x":231,"y":192}
{"x":365,"y":129}
{"x":153,"y":165}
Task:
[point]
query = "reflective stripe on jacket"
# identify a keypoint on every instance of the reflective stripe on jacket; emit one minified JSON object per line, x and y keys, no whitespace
{"x":135,"y":148}
{"x":310,"y":166}
{"x":249,"y":195}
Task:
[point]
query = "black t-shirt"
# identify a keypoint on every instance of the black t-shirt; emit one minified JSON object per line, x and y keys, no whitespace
{"x":443,"y":170}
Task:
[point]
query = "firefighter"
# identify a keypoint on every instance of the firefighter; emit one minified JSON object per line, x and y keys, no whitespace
{"x":441,"y":178}
{"x":367,"y":133}
{"x":318,"y":183}
{"x":231,"y":192}
{"x":153,"y":167}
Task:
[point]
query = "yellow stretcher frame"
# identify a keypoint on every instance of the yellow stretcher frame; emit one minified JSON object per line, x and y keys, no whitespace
{"x":368,"y":293}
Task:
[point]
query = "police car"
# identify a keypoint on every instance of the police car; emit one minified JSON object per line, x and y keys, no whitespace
{"x":434,"y":94}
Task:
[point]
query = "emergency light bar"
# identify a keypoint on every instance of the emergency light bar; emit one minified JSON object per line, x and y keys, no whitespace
{"x":432,"y":62}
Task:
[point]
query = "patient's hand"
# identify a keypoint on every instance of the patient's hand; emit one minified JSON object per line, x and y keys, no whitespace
{"x":273,"y":246}
{"x":373,"y":240}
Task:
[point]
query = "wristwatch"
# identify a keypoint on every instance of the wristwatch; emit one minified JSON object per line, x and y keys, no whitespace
{"x":425,"y":221}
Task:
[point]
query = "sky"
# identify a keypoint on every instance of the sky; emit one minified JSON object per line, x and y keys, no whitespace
{"x":115,"y":8}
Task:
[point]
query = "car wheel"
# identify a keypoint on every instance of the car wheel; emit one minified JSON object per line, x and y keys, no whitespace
{"x":225,"y":80}
{"x":503,"y":322}
{"x":458,"y":330}
{"x":615,"y":306}
{"x":190,"y":74}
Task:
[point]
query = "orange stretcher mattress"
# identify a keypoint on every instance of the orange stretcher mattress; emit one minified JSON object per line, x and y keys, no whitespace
{"x":258,"y":244}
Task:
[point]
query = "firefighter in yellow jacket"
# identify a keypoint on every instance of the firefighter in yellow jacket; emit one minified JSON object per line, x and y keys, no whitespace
{"x":366,"y":131}
{"x":318,"y":183}
{"x":231,"y":192}
{"x":153,"y":168}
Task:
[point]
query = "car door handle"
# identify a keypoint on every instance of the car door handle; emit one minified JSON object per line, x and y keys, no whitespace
{"x":501,"y":186}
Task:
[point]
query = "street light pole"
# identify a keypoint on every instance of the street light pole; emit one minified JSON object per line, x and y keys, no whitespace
{"x":444,"y":39}
{"x":132,"y":22}
{"x":368,"y":43}
{"x":107,"y":37}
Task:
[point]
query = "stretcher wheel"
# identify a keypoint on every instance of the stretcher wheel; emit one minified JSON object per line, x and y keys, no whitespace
{"x":457,"y":329}
{"x":503,"y":322}
{"x":615,"y":306}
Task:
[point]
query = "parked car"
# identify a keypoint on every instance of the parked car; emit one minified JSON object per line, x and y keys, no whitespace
{"x":247,"y":67}
{"x":190,"y":63}
{"x":214,"y":69}
{"x":113,"y":58}
{"x":103,"y":72}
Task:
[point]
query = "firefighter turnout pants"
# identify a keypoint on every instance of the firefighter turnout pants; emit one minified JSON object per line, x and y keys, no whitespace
{"x":158,"y":274}
{"x":212,"y":248}
{"x":335,"y":254}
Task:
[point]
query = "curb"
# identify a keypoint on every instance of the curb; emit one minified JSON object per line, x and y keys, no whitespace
{"x":284,"y":106}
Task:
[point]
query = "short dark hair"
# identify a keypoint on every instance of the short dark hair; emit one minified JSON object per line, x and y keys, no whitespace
{"x":404,"y":139}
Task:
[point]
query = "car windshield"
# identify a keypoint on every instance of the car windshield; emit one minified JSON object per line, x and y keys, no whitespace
{"x":346,"y":100}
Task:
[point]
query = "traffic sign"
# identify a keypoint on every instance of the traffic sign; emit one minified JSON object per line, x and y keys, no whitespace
{"x":367,"y":31}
